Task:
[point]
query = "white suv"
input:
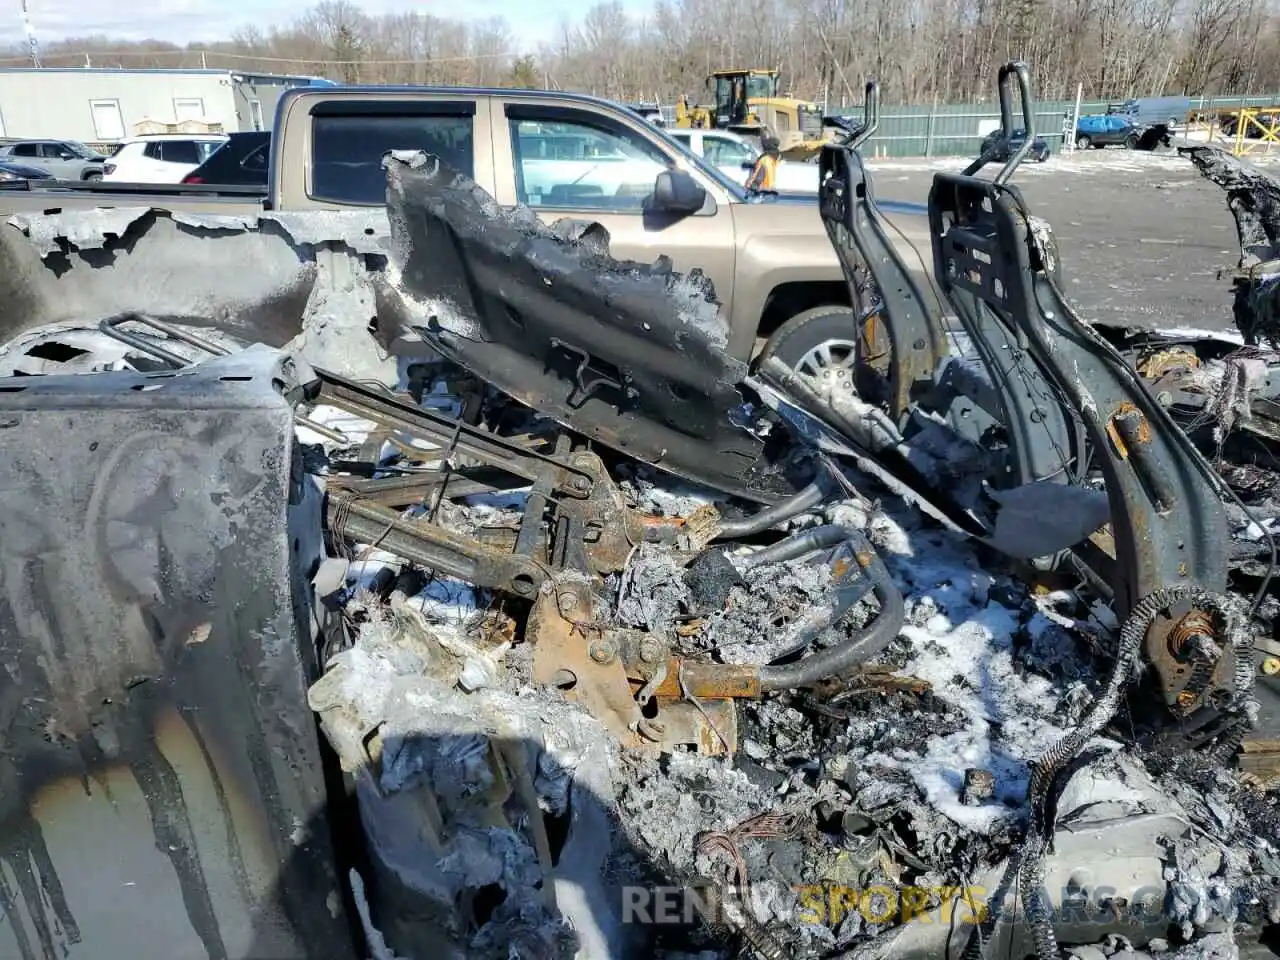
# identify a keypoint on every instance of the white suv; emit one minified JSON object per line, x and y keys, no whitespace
{"x":162,"y":158}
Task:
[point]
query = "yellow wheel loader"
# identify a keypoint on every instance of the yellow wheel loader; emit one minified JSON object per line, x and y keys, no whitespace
{"x":747,"y":103}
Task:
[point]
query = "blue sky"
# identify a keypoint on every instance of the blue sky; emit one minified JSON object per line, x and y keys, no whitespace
{"x":184,"y":21}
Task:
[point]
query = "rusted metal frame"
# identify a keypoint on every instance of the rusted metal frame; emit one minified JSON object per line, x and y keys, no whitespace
{"x":1167,"y":521}
{"x":849,"y":212}
{"x":432,"y":546}
{"x":496,"y":451}
{"x":615,"y":672}
{"x":403,"y":491}
{"x":608,"y":672}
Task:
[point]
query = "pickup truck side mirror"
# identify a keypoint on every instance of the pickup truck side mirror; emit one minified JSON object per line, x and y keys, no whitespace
{"x":675,"y":191}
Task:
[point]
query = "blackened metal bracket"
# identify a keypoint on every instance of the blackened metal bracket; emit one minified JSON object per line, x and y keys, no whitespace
{"x":850,"y":213}
{"x":1167,"y":520}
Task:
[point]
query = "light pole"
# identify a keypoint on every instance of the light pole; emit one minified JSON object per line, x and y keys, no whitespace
{"x":31,"y":35}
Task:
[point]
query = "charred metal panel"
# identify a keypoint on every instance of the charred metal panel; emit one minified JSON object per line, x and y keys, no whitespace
{"x":632,"y":354}
{"x":304,"y":279}
{"x":161,"y":785}
{"x":1253,"y":196}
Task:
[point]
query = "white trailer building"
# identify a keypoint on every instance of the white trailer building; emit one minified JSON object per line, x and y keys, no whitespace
{"x":102,"y":106}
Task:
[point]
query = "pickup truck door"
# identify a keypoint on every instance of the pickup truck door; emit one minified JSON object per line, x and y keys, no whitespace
{"x":584,"y":161}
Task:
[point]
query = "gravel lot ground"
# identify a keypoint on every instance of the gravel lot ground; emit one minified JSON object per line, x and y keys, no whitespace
{"x":1143,"y":236}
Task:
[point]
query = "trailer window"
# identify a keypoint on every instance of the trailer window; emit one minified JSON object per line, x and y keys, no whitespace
{"x":347,"y":150}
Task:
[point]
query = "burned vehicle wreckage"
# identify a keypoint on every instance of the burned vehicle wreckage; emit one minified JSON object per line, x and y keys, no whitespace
{"x":499,"y":612}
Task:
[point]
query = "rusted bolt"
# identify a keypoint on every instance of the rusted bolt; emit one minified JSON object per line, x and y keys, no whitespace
{"x":1186,"y":698}
{"x":650,"y":650}
{"x":603,"y":650}
{"x":569,"y":604}
{"x":1271,"y":666}
{"x":581,"y":483}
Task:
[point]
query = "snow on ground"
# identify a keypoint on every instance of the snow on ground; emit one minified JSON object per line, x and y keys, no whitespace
{"x":963,"y":641}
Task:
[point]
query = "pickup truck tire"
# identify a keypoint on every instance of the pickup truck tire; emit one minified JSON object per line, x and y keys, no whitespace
{"x":92,"y":177}
{"x":1083,"y":142}
{"x":1131,"y":142}
{"x":817,"y":339}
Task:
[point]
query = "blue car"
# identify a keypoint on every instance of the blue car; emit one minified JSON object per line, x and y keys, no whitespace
{"x":1105,"y":129}
{"x":11,"y":172}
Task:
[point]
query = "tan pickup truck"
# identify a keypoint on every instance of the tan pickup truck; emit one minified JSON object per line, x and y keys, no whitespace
{"x":561,"y":154}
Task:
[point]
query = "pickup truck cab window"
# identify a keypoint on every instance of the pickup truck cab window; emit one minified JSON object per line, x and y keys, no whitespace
{"x":24,"y":150}
{"x":570,"y":163}
{"x":348,"y":142}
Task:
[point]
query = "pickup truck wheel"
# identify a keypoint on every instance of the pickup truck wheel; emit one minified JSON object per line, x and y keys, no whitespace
{"x":819,"y":344}
{"x":1131,"y":141}
{"x":92,"y":176}
{"x":1083,"y":142}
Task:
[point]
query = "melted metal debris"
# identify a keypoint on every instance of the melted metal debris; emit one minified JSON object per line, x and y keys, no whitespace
{"x":914,"y":775}
{"x":508,"y":819}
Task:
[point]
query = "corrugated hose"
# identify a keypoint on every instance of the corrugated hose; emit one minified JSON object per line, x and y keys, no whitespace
{"x":860,"y":645}
{"x":1044,"y":771}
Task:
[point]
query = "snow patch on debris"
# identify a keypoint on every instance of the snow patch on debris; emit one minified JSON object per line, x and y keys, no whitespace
{"x":962,"y":640}
{"x":355,"y":429}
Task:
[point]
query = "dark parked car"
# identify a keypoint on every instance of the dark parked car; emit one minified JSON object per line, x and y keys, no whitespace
{"x":1106,"y":129}
{"x":1039,"y":151}
{"x":241,"y":161}
{"x":11,"y":172}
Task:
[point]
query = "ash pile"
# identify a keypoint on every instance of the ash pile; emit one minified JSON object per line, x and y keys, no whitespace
{"x":877,"y":809}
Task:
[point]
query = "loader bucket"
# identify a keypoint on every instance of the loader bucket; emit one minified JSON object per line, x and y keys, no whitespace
{"x":161,"y":784}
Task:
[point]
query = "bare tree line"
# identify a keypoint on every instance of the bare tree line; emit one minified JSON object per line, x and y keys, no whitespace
{"x":920,"y":50}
